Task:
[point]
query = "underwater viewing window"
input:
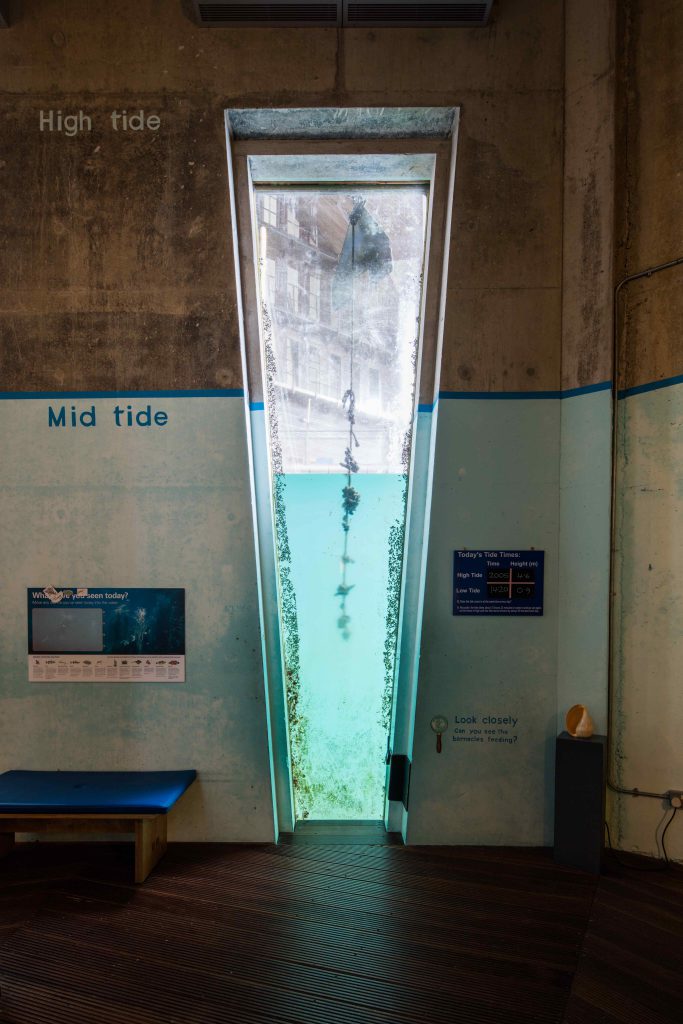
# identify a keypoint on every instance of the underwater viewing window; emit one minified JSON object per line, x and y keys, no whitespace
{"x":340,"y":354}
{"x":340,"y":244}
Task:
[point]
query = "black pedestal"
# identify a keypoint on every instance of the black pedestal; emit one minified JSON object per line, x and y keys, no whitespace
{"x":580,"y":767}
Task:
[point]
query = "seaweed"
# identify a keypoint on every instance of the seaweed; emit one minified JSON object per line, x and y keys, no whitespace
{"x":396,"y":542}
{"x":397,"y":533}
{"x":298,"y":722}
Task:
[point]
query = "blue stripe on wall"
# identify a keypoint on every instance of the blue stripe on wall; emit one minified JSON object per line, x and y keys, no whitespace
{"x":655,"y":385}
{"x":589,"y":389}
{"x":499,"y":394}
{"x":54,"y":395}
{"x":604,"y":385}
{"x":423,"y":407}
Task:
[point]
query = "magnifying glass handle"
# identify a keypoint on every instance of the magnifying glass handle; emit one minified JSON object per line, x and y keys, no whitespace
{"x":438,"y":742}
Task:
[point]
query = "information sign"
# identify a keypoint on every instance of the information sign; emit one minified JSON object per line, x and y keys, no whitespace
{"x":103,"y":634}
{"x":498,"y":582}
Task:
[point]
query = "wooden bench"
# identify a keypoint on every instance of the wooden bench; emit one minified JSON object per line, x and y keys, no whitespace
{"x":92,"y":802}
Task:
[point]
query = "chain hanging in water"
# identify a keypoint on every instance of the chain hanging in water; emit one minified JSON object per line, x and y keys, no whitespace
{"x":350,"y":496}
{"x":366,"y":249}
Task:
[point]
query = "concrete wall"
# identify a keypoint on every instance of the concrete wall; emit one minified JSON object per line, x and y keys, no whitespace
{"x":648,"y":712}
{"x":584,"y":555}
{"x":106,"y":506}
{"x":495,"y":486}
{"x":585,"y":433}
{"x":518,"y":465}
{"x":117,"y":276}
{"x":122,"y":277}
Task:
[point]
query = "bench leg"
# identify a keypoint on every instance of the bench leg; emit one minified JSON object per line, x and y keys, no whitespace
{"x":150,"y":844}
{"x":6,"y":842}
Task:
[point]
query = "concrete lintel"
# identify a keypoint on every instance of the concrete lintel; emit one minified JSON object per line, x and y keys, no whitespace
{"x":343,"y":123}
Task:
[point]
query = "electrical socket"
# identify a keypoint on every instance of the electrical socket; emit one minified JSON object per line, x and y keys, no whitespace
{"x":675,"y":798}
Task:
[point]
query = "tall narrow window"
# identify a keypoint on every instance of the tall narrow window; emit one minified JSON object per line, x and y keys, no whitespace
{"x":339,"y":463}
{"x":341,"y":225}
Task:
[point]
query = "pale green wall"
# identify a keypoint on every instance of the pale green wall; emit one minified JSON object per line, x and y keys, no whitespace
{"x":648,"y":648}
{"x":496,"y":480}
{"x":585,"y":475}
{"x":139,"y":507}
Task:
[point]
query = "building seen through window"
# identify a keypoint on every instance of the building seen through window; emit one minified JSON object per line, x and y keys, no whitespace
{"x":315,"y":322}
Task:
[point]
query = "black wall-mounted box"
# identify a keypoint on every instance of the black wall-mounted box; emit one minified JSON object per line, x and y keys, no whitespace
{"x":399,"y":778}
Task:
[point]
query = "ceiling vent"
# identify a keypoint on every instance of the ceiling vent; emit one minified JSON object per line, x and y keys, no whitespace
{"x":277,"y":12}
{"x":397,"y":13}
{"x":351,"y":13}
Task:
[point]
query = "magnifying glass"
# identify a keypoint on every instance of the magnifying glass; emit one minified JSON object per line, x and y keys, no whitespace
{"x":439,"y":725}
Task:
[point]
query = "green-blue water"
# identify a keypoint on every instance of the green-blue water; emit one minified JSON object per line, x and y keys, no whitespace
{"x":340,"y":766}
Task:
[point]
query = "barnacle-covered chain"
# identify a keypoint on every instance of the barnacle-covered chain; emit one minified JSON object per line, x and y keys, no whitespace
{"x":350,"y":496}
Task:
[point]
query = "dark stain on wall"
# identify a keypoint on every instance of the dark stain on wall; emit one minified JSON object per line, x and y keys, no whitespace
{"x":590,"y":355}
{"x":650,"y":107}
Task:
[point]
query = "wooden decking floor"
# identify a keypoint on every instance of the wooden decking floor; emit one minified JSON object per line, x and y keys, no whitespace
{"x":318,"y":931}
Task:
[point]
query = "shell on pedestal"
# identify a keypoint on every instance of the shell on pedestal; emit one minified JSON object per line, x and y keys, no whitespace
{"x":579,"y":723}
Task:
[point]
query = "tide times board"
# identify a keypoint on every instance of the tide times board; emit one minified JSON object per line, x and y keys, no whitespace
{"x":498,"y":582}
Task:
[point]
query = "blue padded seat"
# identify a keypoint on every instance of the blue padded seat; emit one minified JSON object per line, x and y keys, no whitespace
{"x":106,"y":793}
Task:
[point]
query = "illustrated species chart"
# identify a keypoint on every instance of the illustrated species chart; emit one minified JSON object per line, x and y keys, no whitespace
{"x":81,"y":634}
{"x":498,"y":582}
